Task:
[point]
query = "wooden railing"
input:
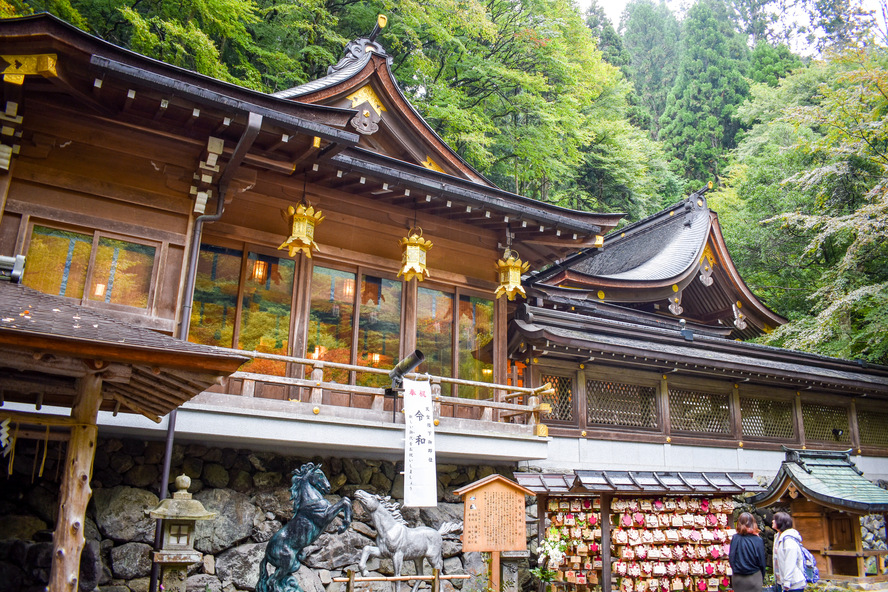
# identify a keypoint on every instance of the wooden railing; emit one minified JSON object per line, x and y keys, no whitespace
{"x":504,"y":403}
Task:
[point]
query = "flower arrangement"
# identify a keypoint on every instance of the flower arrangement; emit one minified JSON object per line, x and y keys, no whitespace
{"x":551,"y":554}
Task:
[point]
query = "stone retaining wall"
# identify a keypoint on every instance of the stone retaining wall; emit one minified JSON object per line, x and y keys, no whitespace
{"x":249,"y":490}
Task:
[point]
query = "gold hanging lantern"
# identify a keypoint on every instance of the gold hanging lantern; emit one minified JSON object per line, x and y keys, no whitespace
{"x":302,"y":220}
{"x":509,"y":270}
{"x":413,"y":255}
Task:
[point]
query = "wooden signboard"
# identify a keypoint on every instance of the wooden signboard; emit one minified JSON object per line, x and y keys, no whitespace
{"x":493,"y":520}
{"x":494,"y":515}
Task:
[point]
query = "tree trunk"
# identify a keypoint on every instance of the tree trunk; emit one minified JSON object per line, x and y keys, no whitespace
{"x":68,"y":539}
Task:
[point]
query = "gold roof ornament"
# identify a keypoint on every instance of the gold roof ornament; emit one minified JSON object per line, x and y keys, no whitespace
{"x":413,"y":255}
{"x":302,"y":220}
{"x":509,"y":270}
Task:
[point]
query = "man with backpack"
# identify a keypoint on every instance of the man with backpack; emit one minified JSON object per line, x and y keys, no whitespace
{"x":792,"y":565}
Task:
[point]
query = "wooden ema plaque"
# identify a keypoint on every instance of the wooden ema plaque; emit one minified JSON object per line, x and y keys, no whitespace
{"x":494,"y":515}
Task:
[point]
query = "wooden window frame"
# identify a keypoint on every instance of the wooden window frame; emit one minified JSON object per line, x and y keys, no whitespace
{"x":160,"y":253}
{"x":828,"y":401}
{"x":359,"y":270}
{"x":457,"y":291}
{"x":638,"y":378}
{"x":578,"y":393}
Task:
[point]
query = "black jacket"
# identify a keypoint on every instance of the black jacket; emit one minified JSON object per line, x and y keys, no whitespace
{"x":747,"y":554}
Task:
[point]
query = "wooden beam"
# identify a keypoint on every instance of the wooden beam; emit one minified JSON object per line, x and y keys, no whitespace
{"x":41,"y":419}
{"x":129,"y":403}
{"x":31,"y":383}
{"x":68,"y":539}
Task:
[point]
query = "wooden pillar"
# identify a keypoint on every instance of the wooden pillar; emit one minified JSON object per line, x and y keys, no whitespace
{"x":606,"y":561}
{"x":68,"y":539}
{"x":495,"y":571}
{"x":5,"y":182}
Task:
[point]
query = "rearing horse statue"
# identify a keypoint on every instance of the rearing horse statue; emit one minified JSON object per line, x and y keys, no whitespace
{"x":311,"y":516}
{"x":397,"y":540}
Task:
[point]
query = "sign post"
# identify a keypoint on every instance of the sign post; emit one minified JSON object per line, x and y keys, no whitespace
{"x":420,"y":473}
{"x":494,"y":519}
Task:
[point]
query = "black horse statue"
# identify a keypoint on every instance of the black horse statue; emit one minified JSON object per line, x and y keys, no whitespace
{"x":311,"y":516}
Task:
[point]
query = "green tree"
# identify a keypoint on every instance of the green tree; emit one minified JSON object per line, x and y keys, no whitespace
{"x":837,"y":23}
{"x":769,"y":64}
{"x":755,"y":18}
{"x":850,"y":224}
{"x":651,"y":36}
{"x":608,"y":40}
{"x":817,"y":150}
{"x":699,"y":123}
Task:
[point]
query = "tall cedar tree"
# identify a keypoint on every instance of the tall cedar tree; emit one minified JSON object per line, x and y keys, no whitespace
{"x":651,"y":36}
{"x":699,"y":124}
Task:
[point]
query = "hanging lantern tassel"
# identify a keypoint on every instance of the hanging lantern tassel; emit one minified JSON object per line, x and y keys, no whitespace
{"x":302,"y":220}
{"x":509,"y":270}
{"x":413,"y":255}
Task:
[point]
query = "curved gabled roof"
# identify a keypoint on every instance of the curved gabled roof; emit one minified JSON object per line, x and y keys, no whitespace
{"x":657,"y":252}
{"x":827,"y":477}
{"x":365,"y":64}
{"x":674,"y":263}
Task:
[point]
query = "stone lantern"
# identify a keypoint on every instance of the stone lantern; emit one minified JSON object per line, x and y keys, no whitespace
{"x":177,"y":552}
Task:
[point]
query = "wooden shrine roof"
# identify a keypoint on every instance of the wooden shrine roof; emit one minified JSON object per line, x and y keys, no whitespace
{"x":669,"y":346}
{"x":102,"y":84}
{"x":47,"y":342}
{"x":364,"y":74}
{"x":639,"y":483}
{"x":660,"y":260}
{"x":826,"y":477}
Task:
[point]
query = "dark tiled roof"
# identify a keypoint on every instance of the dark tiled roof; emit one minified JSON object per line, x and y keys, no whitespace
{"x":154,"y":373}
{"x":640,"y":483}
{"x":663,"y":249}
{"x":827,"y":477}
{"x":715,"y":352}
{"x":29,"y":311}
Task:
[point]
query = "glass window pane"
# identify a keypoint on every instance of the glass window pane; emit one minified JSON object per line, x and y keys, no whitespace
{"x":57,"y":261}
{"x":122,"y":273}
{"x":265,"y":313}
{"x":475,"y":344}
{"x":330,"y":323}
{"x":215,"y":296}
{"x":434,"y":331}
{"x":379,"y":327}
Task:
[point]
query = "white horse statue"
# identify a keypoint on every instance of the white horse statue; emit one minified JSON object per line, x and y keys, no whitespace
{"x":398,"y":541}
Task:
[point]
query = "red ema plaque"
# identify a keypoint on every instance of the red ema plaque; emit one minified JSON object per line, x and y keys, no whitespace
{"x":494,"y":515}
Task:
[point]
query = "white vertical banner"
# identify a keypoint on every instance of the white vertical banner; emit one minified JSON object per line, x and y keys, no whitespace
{"x":420,"y":474}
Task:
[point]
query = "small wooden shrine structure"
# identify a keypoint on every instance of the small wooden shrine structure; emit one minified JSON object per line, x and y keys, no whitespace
{"x":826,"y":494}
{"x":661,"y":512}
{"x":57,"y":353}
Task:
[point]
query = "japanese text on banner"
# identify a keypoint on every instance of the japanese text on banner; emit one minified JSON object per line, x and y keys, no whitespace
{"x":420,"y":475}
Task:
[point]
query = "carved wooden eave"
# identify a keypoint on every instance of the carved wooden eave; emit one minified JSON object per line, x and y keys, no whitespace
{"x":400,"y":160}
{"x":389,"y":123}
{"x":48,"y":343}
{"x":673,"y":263}
{"x":196,"y":118}
{"x":826,"y":477}
{"x":606,"y":338}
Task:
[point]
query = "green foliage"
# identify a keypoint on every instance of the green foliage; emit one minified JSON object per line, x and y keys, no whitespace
{"x":754,"y":18}
{"x":818,"y":151}
{"x":769,"y":64}
{"x":651,"y":36}
{"x":609,"y":42}
{"x":836,"y":23}
{"x":699,"y":123}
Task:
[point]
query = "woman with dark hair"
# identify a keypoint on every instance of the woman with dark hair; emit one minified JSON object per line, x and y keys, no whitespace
{"x":747,"y":556}
{"x":789,"y":562}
